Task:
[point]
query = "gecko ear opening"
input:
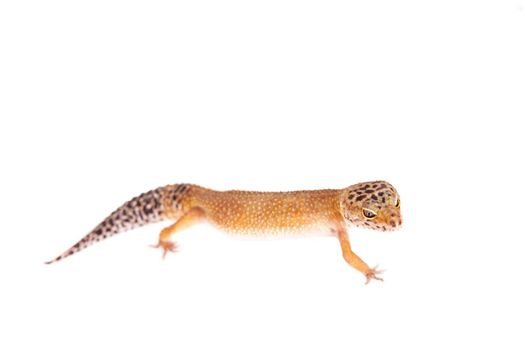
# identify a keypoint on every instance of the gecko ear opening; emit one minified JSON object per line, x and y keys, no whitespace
{"x":369,"y":214}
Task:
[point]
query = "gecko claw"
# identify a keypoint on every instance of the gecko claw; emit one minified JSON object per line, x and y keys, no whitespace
{"x":166,"y":247}
{"x":372,"y":274}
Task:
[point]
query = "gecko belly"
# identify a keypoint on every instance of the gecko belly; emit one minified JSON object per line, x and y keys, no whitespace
{"x":265,"y":229}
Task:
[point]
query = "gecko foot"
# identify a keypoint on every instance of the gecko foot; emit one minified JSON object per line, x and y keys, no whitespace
{"x":372,"y":274}
{"x":166,"y":246}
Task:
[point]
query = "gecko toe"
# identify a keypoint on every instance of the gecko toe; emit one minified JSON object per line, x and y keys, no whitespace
{"x":166,"y":246}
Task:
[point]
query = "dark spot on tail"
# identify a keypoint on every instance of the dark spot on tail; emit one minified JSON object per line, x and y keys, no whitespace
{"x":150,"y":204}
{"x":181,"y":189}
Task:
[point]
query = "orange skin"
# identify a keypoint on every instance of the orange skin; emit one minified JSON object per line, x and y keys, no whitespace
{"x":372,"y":205}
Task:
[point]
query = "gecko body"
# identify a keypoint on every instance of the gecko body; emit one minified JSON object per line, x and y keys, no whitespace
{"x":374,"y":205}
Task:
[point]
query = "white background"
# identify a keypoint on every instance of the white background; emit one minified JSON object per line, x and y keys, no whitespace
{"x":103,"y":100}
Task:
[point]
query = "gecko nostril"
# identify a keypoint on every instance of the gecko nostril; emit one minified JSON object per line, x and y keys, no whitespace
{"x":393,"y":223}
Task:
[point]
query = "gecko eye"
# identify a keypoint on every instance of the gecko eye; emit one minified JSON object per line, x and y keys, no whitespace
{"x":369,"y":214}
{"x":398,"y":203}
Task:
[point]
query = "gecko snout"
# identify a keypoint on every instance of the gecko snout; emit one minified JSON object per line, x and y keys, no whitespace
{"x":396,"y":221}
{"x":395,"y":224}
{"x":392,"y":220}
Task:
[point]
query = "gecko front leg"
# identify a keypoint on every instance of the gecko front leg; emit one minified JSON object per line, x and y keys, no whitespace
{"x":355,"y":261}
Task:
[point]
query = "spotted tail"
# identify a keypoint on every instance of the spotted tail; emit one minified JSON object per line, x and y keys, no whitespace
{"x":150,"y":207}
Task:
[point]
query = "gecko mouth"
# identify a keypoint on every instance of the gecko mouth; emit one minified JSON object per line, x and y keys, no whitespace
{"x":394,"y":226}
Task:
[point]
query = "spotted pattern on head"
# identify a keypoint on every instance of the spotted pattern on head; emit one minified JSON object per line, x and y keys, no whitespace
{"x":377,"y":197}
{"x":150,"y":207}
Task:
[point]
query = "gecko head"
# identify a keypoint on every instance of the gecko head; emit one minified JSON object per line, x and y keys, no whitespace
{"x":374,"y":205}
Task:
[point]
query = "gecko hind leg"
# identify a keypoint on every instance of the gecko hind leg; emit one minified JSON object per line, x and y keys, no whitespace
{"x":192,"y":217}
{"x":166,"y":246}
